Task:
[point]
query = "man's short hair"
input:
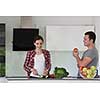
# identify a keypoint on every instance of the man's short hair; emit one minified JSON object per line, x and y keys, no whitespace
{"x":92,"y":35}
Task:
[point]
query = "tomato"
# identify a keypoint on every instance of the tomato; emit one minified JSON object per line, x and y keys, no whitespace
{"x":51,"y":76}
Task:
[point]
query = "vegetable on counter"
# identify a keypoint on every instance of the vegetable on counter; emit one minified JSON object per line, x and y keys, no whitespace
{"x":60,"y":72}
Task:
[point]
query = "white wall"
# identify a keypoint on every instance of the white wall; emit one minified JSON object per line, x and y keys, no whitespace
{"x":62,"y":20}
{"x":15,"y":60}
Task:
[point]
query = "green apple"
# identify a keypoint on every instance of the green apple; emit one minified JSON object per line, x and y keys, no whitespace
{"x":93,"y":68}
{"x":89,"y":71}
{"x":84,"y":70}
{"x":89,"y":76}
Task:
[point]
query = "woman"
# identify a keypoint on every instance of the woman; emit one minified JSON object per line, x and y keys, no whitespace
{"x":38,"y":61}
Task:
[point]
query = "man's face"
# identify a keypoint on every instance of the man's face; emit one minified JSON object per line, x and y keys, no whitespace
{"x":38,"y":44}
{"x":86,"y":40}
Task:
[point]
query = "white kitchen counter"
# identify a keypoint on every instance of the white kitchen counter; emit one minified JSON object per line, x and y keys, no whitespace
{"x":3,"y":80}
{"x":48,"y":80}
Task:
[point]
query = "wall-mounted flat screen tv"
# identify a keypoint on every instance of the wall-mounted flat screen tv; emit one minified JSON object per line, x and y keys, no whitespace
{"x":23,"y":38}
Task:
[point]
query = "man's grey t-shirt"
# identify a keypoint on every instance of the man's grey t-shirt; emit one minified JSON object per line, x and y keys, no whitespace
{"x":93,"y":54}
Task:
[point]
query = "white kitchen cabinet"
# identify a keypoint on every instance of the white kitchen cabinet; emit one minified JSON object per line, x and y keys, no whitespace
{"x":63,"y":38}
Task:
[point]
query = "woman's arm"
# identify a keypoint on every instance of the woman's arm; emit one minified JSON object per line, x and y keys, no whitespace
{"x":47,"y":62}
{"x":26,"y":63}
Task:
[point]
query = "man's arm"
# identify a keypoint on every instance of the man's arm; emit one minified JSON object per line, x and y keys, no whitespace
{"x":84,"y":62}
{"x":81,"y":62}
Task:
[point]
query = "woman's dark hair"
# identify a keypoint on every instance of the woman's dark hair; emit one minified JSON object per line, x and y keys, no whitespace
{"x":38,"y":38}
{"x":91,"y":35}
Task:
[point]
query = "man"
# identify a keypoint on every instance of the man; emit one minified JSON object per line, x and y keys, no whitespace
{"x":90,"y":56}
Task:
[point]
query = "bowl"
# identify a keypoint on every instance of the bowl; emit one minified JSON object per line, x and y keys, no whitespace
{"x":88,"y":76}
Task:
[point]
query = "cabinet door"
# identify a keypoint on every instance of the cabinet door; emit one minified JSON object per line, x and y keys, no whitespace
{"x":62,"y":38}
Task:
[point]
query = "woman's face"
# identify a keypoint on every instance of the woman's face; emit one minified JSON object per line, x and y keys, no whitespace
{"x":38,"y":44}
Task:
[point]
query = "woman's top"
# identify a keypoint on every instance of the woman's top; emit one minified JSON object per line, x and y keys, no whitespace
{"x":30,"y":60}
{"x":39,"y":63}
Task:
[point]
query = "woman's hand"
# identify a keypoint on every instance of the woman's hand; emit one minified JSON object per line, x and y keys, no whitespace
{"x":34,"y":71}
{"x":45,"y":72}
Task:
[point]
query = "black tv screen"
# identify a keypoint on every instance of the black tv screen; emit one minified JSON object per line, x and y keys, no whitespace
{"x":23,"y":38}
